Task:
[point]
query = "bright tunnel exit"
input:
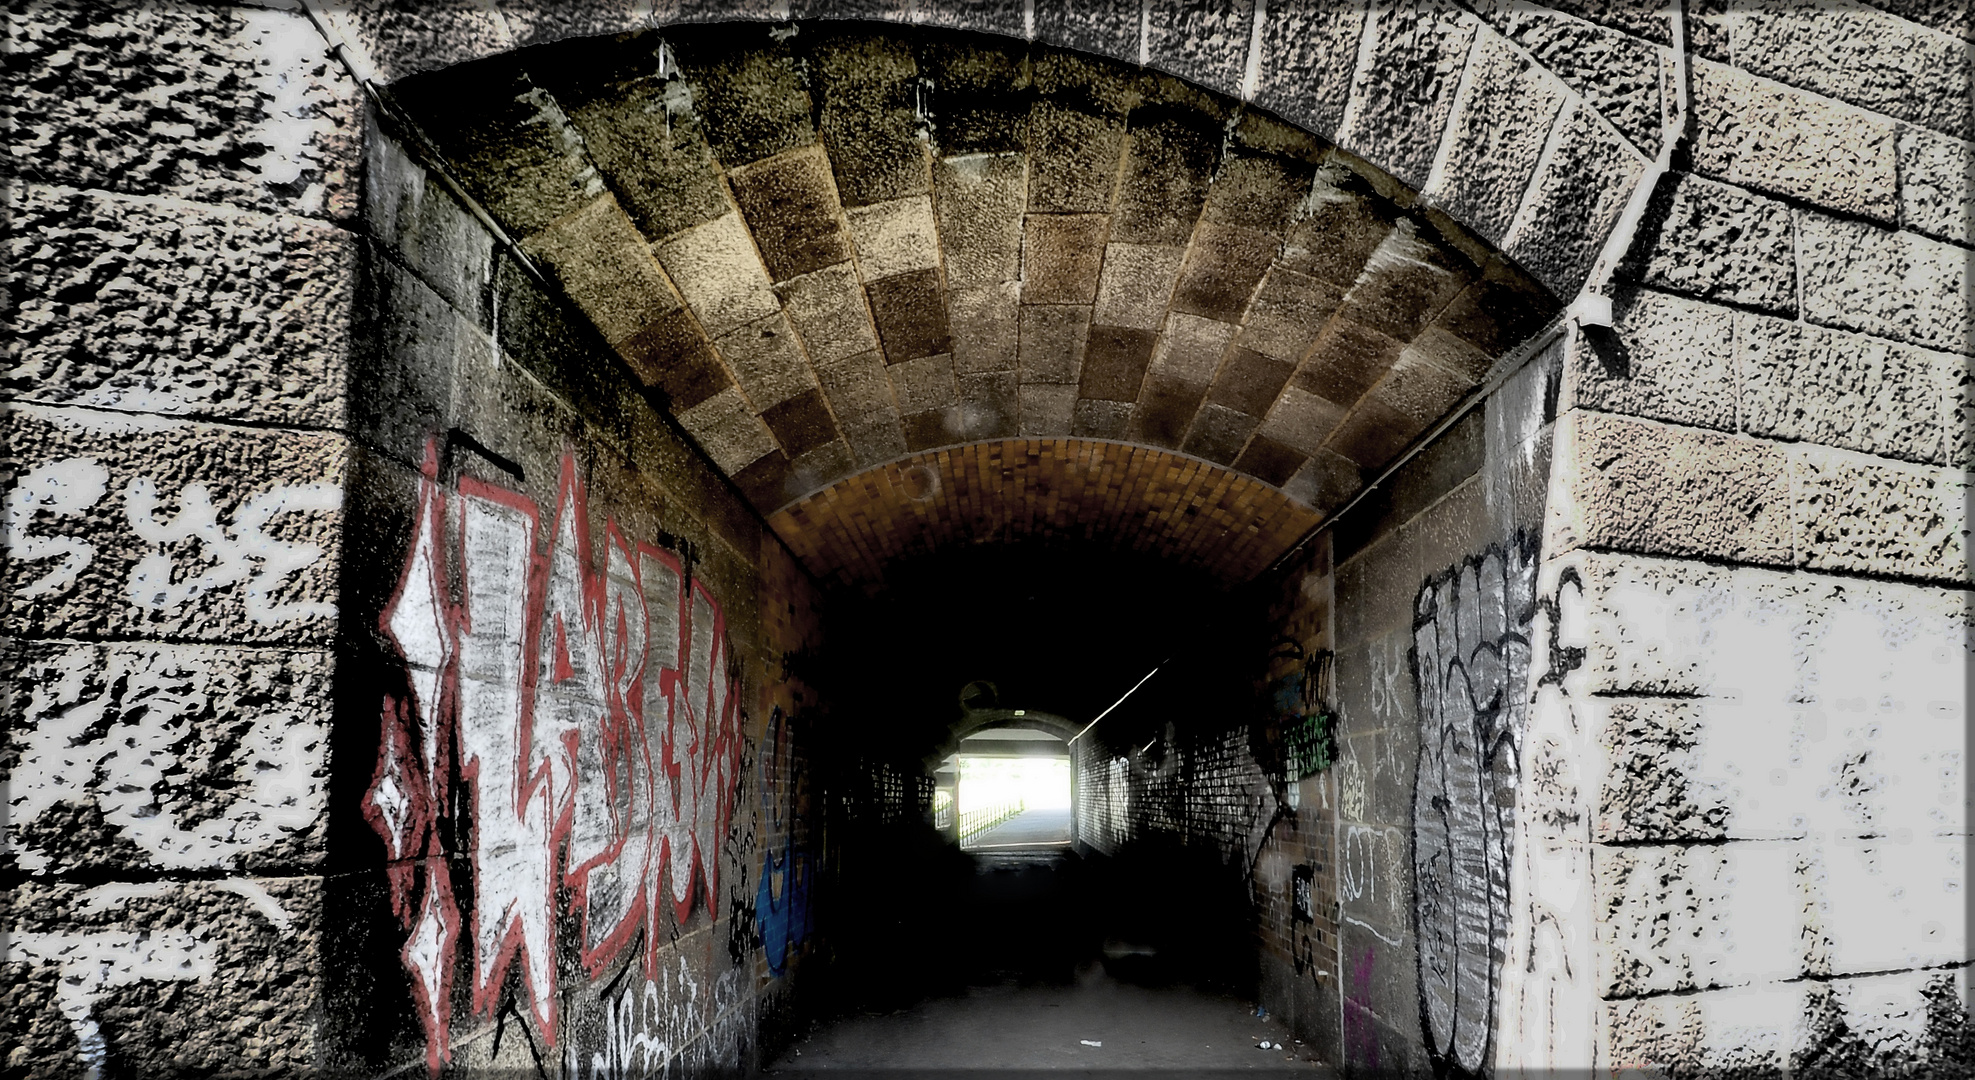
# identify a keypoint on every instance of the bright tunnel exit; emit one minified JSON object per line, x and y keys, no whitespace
{"x":1011,"y":790}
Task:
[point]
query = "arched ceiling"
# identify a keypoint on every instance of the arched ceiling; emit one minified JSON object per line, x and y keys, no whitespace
{"x":838,"y":254}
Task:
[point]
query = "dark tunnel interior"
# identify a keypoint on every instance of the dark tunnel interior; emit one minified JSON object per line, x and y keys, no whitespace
{"x":1065,"y":631}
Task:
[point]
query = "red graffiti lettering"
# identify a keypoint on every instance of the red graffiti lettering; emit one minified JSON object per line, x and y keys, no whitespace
{"x":586,"y":699}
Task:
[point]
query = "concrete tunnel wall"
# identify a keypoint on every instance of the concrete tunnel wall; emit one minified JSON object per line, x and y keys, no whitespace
{"x":243,"y":548}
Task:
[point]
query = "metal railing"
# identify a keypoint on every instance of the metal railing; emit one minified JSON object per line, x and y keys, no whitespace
{"x":975,"y":822}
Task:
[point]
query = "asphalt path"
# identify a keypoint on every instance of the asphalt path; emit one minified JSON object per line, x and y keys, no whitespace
{"x":1027,"y":827}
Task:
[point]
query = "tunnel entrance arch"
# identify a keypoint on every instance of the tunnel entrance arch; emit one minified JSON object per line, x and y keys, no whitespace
{"x":314,"y":488}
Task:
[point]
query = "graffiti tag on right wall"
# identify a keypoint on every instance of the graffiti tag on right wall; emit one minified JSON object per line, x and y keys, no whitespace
{"x":1470,"y":663}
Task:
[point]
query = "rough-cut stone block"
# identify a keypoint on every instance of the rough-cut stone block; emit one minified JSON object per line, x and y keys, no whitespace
{"x":1115,"y":359}
{"x":1218,"y":433}
{"x":877,"y":443}
{"x":858,"y":389}
{"x":415,"y":347}
{"x":1342,"y":223}
{"x":1201,"y":41}
{"x":1805,"y":383}
{"x":507,"y":142}
{"x":1169,"y":161}
{"x":1888,"y":903}
{"x":1325,"y":481}
{"x":895,"y":237}
{"x":1718,"y":243}
{"x":1619,"y":75}
{"x":538,"y":22}
{"x":986,"y":328}
{"x":980,"y":217}
{"x":1165,"y":408}
{"x":1742,"y":1030}
{"x":1759,"y":134}
{"x":633,"y":109}
{"x":1747,"y":748}
{"x":1874,"y":516}
{"x":1191,"y":348}
{"x":923,"y":384}
{"x":1937,"y":180}
{"x":1269,"y":461}
{"x":749,"y":89}
{"x":1890,"y":284}
{"x":791,"y":207}
{"x":1047,"y":408}
{"x":1309,"y":52}
{"x":1650,"y":790}
{"x":1249,"y":381}
{"x":1101,"y":419}
{"x":1861,"y":55}
{"x":1374,"y":432}
{"x":1002,"y":17}
{"x":827,"y":310}
{"x":674,"y":358}
{"x":126,"y":304}
{"x":1400,"y":104}
{"x":606,"y":268}
{"x":1053,"y":342}
{"x":1420,"y":390}
{"x":801,"y":424}
{"x":1302,"y":420}
{"x":1259,"y":191}
{"x":866,"y":85}
{"x":1573,"y":203}
{"x":1695,"y":917}
{"x":1498,"y":137}
{"x":1287,"y":313}
{"x":426,"y":228}
{"x":910,"y":313}
{"x":1669,"y":359}
{"x":715,"y":268}
{"x":1061,"y":254}
{"x":1347,"y":360}
{"x":1073,"y":159}
{"x":1406,"y":282}
{"x":730,"y":433}
{"x":166,"y":978}
{"x":1105,"y":27}
{"x":765,"y":361}
{"x":1135,"y":284}
{"x":989,"y":404}
{"x":145,"y":757}
{"x":134,"y":525}
{"x":203,"y":102}
{"x":1223,"y":266}
{"x":1647,"y":487}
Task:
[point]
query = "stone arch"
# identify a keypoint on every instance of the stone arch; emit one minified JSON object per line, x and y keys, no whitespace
{"x":971,"y":282}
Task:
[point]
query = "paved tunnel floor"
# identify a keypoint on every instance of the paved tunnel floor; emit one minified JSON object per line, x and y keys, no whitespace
{"x":1051,"y":1028}
{"x":1027,"y":827}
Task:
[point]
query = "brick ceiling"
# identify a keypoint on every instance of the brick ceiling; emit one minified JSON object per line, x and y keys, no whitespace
{"x":852,"y":251}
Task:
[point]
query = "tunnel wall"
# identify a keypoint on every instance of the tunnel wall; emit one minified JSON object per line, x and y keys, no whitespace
{"x":1771,"y":449}
{"x":615,"y":845}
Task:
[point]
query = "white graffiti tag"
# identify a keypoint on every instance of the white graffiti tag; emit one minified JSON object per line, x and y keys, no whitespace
{"x":59,"y":489}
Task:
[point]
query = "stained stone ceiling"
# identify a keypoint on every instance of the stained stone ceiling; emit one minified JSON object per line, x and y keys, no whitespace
{"x":835,"y":249}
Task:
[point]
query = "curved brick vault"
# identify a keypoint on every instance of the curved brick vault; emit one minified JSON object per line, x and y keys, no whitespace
{"x":843,"y":252}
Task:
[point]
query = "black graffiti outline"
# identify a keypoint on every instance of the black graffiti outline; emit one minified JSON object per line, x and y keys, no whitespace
{"x":1493,"y":733}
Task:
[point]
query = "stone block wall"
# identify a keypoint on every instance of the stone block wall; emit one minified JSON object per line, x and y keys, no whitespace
{"x":385,"y":673}
{"x":1756,"y":581}
{"x":218,"y":483}
{"x":183,"y":273}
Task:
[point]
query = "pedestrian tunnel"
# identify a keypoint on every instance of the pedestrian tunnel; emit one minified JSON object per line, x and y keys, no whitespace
{"x":650,"y":539}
